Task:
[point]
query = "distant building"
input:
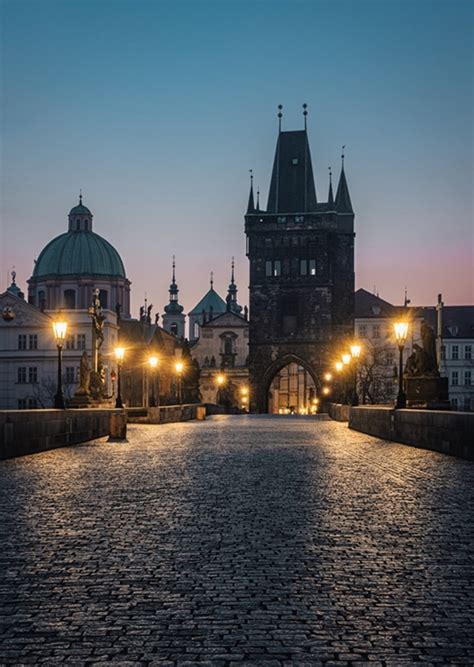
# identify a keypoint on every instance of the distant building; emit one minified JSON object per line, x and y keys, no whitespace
{"x":206,"y":309}
{"x":174,"y":318}
{"x":456,"y":327}
{"x":378,"y":367}
{"x":301,"y":257}
{"x":373,"y":327}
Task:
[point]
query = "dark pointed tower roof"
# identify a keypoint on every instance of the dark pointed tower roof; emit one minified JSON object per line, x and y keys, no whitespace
{"x":251,"y":205}
{"x":292,"y":187}
{"x":173,"y":306}
{"x":330,"y":195}
{"x":343,"y":199}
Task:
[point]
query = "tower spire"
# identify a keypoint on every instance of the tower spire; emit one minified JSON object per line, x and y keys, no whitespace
{"x":280,"y":115}
{"x":343,"y":200}
{"x":231,"y":299}
{"x":330,"y":195}
{"x":212,"y":280}
{"x":251,"y":205}
{"x":258,"y":200}
{"x":232,"y":271}
{"x":174,"y":270}
{"x":305,"y":114}
{"x":80,"y":197}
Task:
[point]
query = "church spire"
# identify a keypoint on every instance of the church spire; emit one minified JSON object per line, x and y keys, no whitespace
{"x":343,"y":199}
{"x":330,"y":195}
{"x":231,"y":299}
{"x":173,"y":308}
{"x":251,"y":205}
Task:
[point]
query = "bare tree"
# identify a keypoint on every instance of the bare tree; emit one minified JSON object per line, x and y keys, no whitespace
{"x":377,"y":372}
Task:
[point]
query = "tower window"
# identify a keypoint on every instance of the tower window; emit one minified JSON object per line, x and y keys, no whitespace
{"x":196,"y":330}
{"x":312,"y":267}
{"x":277,"y":268}
{"x":294,"y":161}
{"x":174,"y":329}
{"x":303,"y":267}
{"x":268,"y":268}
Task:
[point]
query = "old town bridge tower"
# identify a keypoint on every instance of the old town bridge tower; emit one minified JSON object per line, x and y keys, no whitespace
{"x":301,"y":255}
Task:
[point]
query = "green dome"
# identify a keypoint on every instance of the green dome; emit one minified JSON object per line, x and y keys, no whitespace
{"x":80,"y":209}
{"x":75,"y":254}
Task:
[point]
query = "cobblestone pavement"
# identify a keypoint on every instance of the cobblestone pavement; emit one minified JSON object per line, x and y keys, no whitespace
{"x":252,"y":540}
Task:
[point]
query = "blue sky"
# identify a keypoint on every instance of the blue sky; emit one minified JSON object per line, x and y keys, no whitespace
{"x":157,"y":110}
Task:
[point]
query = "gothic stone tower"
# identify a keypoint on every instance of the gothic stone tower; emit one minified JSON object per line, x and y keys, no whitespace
{"x":301,"y":255}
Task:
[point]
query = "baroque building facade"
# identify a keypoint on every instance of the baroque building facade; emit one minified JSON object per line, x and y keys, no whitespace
{"x":301,"y":257}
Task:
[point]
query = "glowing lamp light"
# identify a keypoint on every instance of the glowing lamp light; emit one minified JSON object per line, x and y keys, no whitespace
{"x":119,"y":354}
{"x":60,"y":329}
{"x":244,"y":391}
{"x":355,"y":351}
{"x":220,"y":379}
{"x":401,"y":332}
{"x":179,"y":367}
{"x":328,"y":377}
{"x":346,"y":359}
{"x":153,"y":361}
{"x":339,"y":366}
{"x":326,"y":391}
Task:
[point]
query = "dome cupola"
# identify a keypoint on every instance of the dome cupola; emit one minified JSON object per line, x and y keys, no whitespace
{"x":80,"y":218}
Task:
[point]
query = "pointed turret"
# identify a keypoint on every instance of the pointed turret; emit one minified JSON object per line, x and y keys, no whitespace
{"x":251,"y":205}
{"x":330,"y":195}
{"x":232,"y":293}
{"x":343,"y":199}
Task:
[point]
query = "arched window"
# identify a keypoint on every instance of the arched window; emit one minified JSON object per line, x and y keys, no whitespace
{"x":69,"y":299}
{"x":103,"y":298}
{"x":196,"y":330}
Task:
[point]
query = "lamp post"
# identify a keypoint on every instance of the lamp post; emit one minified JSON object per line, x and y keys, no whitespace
{"x":355,"y":354}
{"x":346,"y":360}
{"x":119,"y":355}
{"x":245,"y":397}
{"x":179,"y":367}
{"x":153,"y":363}
{"x":401,"y":333}
{"x":60,"y":329}
{"x":339,"y":366}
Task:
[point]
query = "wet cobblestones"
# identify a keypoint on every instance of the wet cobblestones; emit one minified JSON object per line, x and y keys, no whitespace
{"x":251,"y":540}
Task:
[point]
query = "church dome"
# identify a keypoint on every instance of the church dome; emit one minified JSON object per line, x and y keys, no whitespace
{"x":83,"y":253}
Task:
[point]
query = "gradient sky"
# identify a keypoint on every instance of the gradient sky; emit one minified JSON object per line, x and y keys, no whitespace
{"x":157,"y":110}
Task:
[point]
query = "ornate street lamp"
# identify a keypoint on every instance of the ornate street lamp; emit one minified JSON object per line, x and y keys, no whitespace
{"x":60,"y":329}
{"x":245,"y":397}
{"x":401,"y":333}
{"x":119,"y":356}
{"x":355,"y":354}
{"x":179,"y":368}
{"x":153,"y":363}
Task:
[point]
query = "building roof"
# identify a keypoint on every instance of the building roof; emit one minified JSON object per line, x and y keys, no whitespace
{"x":79,"y":253}
{"x":292,"y":187}
{"x":80,"y":209}
{"x":370,"y":305}
{"x":211,"y":300}
{"x":458,"y":321}
{"x":226,"y":320}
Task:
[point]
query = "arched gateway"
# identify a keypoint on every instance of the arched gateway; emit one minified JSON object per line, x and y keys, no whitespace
{"x":291,"y":387}
{"x":301,"y":255}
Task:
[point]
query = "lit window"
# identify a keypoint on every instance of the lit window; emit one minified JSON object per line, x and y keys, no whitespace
{"x":277,"y":268}
{"x":312,"y":267}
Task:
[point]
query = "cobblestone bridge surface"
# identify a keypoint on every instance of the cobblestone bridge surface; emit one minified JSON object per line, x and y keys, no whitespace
{"x":257,"y":540}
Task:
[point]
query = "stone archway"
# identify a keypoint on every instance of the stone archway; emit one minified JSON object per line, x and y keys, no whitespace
{"x":289,"y":385}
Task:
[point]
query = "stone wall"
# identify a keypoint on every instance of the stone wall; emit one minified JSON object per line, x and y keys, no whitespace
{"x":339,"y":412}
{"x":440,"y":431}
{"x":30,"y":431}
{"x":166,"y":414}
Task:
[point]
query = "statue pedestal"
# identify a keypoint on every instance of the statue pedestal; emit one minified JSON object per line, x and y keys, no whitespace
{"x":425,"y":391}
{"x":81,"y":401}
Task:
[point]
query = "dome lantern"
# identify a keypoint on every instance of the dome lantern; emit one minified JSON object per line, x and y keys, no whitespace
{"x":80,"y":218}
